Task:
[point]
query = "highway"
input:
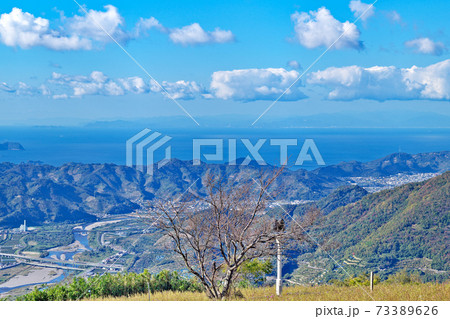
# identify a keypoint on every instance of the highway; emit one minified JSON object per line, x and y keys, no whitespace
{"x":64,"y":264}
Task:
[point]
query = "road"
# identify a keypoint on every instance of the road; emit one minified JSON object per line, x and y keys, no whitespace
{"x":62,"y":263}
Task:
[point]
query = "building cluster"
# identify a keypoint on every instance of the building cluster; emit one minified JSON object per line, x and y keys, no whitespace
{"x":375,"y":184}
{"x":289,"y":202}
{"x":113,"y":259}
{"x":21,"y":229}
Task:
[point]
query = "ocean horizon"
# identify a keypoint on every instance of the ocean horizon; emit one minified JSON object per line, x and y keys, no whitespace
{"x":59,"y":145}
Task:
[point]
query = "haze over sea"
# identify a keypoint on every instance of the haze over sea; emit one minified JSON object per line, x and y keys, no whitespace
{"x":59,"y":145}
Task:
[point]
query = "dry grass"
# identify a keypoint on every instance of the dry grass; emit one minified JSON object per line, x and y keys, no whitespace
{"x":382,"y":292}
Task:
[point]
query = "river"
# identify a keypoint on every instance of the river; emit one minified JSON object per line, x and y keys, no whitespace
{"x":79,"y":236}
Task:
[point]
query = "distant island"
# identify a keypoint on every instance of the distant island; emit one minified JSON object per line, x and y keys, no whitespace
{"x":11,"y":146}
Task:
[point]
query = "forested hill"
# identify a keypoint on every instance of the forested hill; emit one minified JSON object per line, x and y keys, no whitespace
{"x":405,"y":227}
{"x":342,"y":196}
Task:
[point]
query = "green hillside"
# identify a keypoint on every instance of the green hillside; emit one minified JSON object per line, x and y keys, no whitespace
{"x":406,"y":227}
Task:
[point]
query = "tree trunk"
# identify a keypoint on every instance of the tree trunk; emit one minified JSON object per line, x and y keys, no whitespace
{"x":209,"y":291}
{"x":227,"y":283}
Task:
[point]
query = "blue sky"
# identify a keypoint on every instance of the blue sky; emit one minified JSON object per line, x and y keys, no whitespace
{"x":220,"y":57}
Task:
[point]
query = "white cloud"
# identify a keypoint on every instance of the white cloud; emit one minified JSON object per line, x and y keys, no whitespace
{"x":22,"y":29}
{"x":255,"y":84}
{"x":134,"y":84}
{"x":44,"y":90}
{"x":184,"y":90}
{"x":5,"y":87}
{"x":84,"y":32}
{"x":221,"y":36}
{"x":426,"y":46}
{"x":23,"y":89}
{"x":143,"y":25}
{"x":112,"y":88}
{"x":394,"y":17}
{"x":294,"y":65}
{"x":386,"y":82}
{"x":320,"y":29}
{"x":432,"y":82}
{"x":89,"y":25}
{"x":60,"y":96}
{"x":194,"y":34}
{"x":95,"y":84}
{"x":98,"y":83}
{"x":361,"y":10}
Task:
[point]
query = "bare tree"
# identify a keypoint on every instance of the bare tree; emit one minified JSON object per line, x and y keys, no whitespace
{"x":230,"y":228}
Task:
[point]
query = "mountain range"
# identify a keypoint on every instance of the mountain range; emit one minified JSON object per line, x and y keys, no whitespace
{"x":43,"y":193}
{"x":387,"y":119}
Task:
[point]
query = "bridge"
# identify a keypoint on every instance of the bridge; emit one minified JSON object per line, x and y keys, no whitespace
{"x":63,"y":264}
{"x":133,"y":231}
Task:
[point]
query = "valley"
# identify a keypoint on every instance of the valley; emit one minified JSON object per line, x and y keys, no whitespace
{"x":109,"y":231}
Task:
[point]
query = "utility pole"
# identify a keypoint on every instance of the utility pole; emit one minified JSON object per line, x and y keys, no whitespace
{"x":371,"y":281}
{"x":279,"y":274}
{"x":279,"y":227}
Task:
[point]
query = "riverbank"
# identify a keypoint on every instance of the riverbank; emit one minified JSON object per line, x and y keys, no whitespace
{"x":32,"y":276}
{"x":73,"y":247}
{"x":99,"y":224}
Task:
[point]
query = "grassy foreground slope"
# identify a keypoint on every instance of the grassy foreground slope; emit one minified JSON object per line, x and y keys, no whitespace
{"x":382,"y":292}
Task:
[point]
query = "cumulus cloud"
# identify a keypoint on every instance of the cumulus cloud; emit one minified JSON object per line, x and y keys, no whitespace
{"x":144,"y":25}
{"x":320,"y":29}
{"x":88,"y":31}
{"x":294,"y":65}
{"x":255,"y":84}
{"x":184,"y":90}
{"x":24,"y":89}
{"x":194,"y":34}
{"x":60,"y":96}
{"x":6,"y":88}
{"x":45,"y":90}
{"x":95,"y":23}
{"x":24,"y":30}
{"x":426,"y":46}
{"x":135,"y":85}
{"x":97,"y":83}
{"x":361,"y":10}
{"x":386,"y":82}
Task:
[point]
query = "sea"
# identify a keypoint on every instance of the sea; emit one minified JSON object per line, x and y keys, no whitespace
{"x":59,"y":145}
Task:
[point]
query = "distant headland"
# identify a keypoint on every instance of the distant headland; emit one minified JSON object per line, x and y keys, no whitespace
{"x":11,"y":146}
